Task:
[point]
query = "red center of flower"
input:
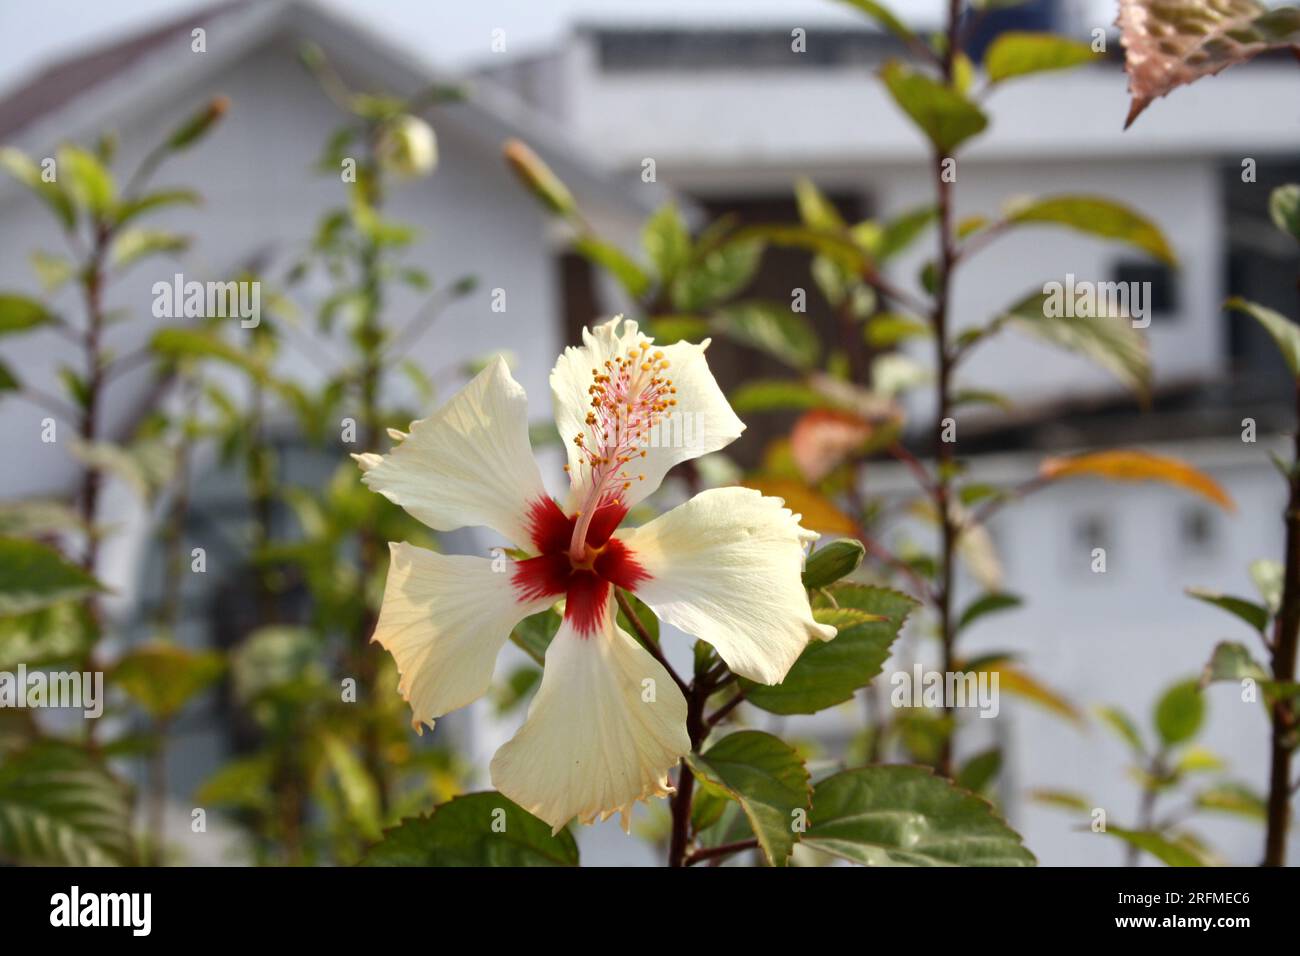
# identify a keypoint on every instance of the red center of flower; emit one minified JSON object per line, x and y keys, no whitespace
{"x":585,"y":581}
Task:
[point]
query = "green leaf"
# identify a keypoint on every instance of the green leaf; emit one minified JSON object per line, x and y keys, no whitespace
{"x":829,"y":672}
{"x":707,"y":281}
{"x":1018,"y":54}
{"x":132,"y":245}
{"x":1179,"y":713}
{"x":1124,"y":727}
{"x":539,"y":179}
{"x":162,"y":678}
{"x":19,"y":313}
{"x":666,"y":241}
{"x":649,"y":622}
{"x":815,"y":210}
{"x":477,"y":829}
{"x":1097,"y":216}
{"x":946,"y":117}
{"x":836,"y":560}
{"x":35,"y":517}
{"x":89,"y":182}
{"x":1110,"y":341}
{"x":534,"y":633}
{"x":358,"y":789}
{"x":616,"y":262}
{"x":1256,"y":615}
{"x":1172,"y":854}
{"x":1061,"y":799}
{"x":1235,"y":798}
{"x":59,"y":634}
{"x":143,"y":467}
{"x":768,"y":395}
{"x":1267,"y":576}
{"x":199,"y":344}
{"x":130,"y":209}
{"x":906,"y":816}
{"x":1196,"y":759}
{"x":765,"y":775}
{"x":887,"y":330}
{"x":195,"y":127}
{"x":978,"y":772}
{"x":901,"y":231}
{"x":885,"y":17}
{"x":276,"y":662}
{"x":1232,"y":662}
{"x":245,"y":783}
{"x":840,"y":249}
{"x":27,"y":172}
{"x":33,"y":576}
{"x":1285,"y":333}
{"x":989,"y":603}
{"x":61,"y":807}
{"x":772,"y":328}
{"x":677,"y":328}
{"x":1284,"y":207}
{"x":8,"y":381}
{"x":981,"y":396}
{"x":53,"y":271}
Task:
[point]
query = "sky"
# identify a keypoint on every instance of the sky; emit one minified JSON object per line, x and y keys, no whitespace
{"x":449,"y":33}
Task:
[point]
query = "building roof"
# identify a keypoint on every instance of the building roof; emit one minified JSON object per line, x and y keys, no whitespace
{"x":72,"y":96}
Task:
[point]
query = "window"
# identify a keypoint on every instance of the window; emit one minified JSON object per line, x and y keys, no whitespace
{"x":1152,"y":288}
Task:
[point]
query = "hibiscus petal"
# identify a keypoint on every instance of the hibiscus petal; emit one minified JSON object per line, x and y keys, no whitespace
{"x":701,"y":422}
{"x":469,"y":463}
{"x":725,"y":567}
{"x":593,"y":744}
{"x":444,"y":619}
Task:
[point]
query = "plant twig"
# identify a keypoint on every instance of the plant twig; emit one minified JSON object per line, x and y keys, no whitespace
{"x":1283,"y":714}
{"x":726,"y":849}
{"x":647,"y":641}
{"x":726,"y":708}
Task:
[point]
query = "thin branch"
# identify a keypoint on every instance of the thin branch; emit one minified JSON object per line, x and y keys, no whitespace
{"x":424,"y":317}
{"x":127,"y":362}
{"x":982,"y":239}
{"x":713,"y":852}
{"x":888,"y":290}
{"x":50,"y":403}
{"x":882,"y":553}
{"x":646,"y":640}
{"x":726,"y":708}
{"x":917,"y":468}
{"x":982,"y":514}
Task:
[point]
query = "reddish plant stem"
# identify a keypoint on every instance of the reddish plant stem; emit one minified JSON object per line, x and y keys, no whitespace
{"x":697,"y":728}
{"x":943,"y":394}
{"x":647,"y":641}
{"x":680,"y":805}
{"x":1283,"y":714}
{"x":714,"y":852}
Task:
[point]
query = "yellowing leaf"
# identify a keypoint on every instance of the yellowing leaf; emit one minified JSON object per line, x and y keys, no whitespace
{"x":1120,"y":465}
{"x":819,"y":513}
{"x":1015,"y":681}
